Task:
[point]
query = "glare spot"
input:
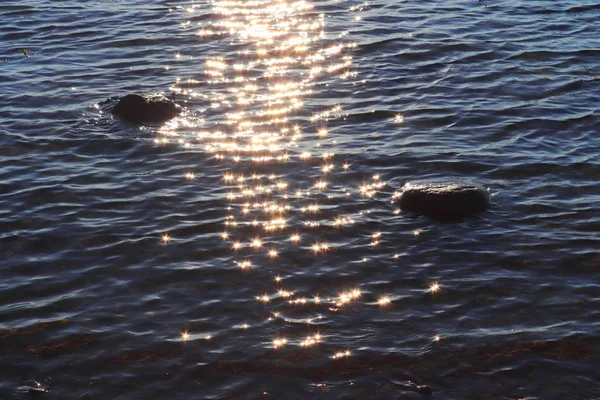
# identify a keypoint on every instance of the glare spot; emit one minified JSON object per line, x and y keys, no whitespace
{"x":341,"y":354}
{"x":398,"y":118}
{"x":327,"y":168}
{"x":228,"y":177}
{"x":384,"y":301}
{"x":264,"y":298}
{"x":347,"y":297}
{"x":311,"y":340}
{"x":185,"y":335}
{"x":319,"y":247}
{"x":434,"y":287}
{"x":321,"y":185}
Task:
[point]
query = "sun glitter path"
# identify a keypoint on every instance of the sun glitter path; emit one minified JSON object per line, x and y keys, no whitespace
{"x":284,"y":183}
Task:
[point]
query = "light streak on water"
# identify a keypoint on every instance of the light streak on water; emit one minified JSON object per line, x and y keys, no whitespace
{"x":262,"y":128}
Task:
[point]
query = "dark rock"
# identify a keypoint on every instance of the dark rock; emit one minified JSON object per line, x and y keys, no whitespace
{"x":424,"y":390}
{"x":145,"y":110}
{"x":444,"y":200}
{"x":421,"y":389}
{"x":37,"y":391}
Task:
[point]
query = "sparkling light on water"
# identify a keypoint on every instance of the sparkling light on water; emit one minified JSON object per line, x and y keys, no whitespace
{"x":281,"y":180}
{"x":434,"y":287}
{"x":384,"y":301}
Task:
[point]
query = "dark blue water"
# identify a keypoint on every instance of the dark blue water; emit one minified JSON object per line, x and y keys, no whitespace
{"x":253,"y":248}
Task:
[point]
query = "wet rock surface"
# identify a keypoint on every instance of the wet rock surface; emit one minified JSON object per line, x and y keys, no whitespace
{"x":446,"y":201}
{"x":145,"y":109}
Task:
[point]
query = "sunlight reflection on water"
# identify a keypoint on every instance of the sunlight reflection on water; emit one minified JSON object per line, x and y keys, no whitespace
{"x":257,"y":127}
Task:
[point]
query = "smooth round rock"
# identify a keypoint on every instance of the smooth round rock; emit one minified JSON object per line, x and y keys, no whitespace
{"x":145,"y":110}
{"x":444,"y":200}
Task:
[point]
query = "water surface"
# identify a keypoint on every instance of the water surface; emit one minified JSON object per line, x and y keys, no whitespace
{"x":253,"y":248}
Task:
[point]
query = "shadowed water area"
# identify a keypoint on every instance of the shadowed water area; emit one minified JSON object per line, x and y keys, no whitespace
{"x":254,"y":247}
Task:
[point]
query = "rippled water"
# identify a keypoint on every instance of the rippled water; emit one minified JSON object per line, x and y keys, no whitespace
{"x":252,"y":248}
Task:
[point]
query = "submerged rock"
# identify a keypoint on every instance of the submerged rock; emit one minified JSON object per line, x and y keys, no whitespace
{"x":444,"y":200}
{"x":145,"y":110}
{"x":424,"y":390}
{"x":37,"y":391}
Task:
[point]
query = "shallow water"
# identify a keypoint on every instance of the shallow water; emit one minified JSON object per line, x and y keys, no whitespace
{"x":163,"y":263}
